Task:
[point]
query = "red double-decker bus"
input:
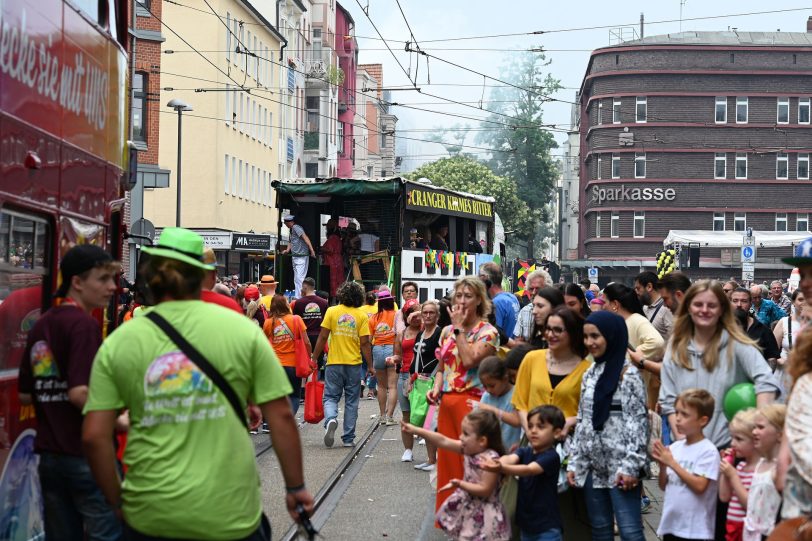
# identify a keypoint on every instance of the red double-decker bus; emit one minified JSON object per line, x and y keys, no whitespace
{"x":63,"y":174}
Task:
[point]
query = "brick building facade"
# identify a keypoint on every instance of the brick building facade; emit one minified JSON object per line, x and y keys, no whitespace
{"x":695,"y":131}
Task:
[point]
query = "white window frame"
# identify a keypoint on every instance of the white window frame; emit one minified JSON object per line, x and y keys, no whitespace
{"x":741,"y":156}
{"x":802,"y":217}
{"x":228,"y":36}
{"x":240,"y":191}
{"x":737,"y":217}
{"x":803,"y":103}
{"x":241,"y":118}
{"x":718,"y":217}
{"x":781,"y":161}
{"x":639,"y":219}
{"x":614,"y":225}
{"x":615,"y":160}
{"x":781,"y":220}
{"x":228,"y":105}
{"x":616,"y":104}
{"x":233,"y":176}
{"x":720,"y":100}
{"x":598,"y":225}
{"x":782,"y":103}
{"x":600,"y":166}
{"x":225,"y":175}
{"x":253,"y":186}
{"x":639,"y":158}
{"x":720,"y":157}
{"x":742,"y":101}
{"x":600,"y":112}
{"x":802,"y":158}
{"x":638,"y":101}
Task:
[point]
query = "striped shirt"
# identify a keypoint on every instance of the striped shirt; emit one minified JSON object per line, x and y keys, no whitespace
{"x":735,"y":511}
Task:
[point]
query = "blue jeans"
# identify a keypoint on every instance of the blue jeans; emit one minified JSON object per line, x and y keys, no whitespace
{"x":606,"y":504}
{"x":73,"y":502}
{"x":296,"y":383}
{"x":666,"y":437}
{"x":338,"y":379}
{"x":547,"y":535}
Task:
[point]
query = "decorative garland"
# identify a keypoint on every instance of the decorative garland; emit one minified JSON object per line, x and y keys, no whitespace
{"x":440,"y":259}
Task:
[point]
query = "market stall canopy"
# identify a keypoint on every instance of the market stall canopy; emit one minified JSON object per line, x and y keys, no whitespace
{"x":733,"y":239}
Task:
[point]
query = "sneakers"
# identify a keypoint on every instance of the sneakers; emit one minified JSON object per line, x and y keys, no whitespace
{"x":421,"y":441}
{"x":390,"y":421}
{"x":264,"y":428}
{"x":382,"y":419}
{"x":421,"y":465}
{"x":426,"y":467}
{"x":253,"y":432}
{"x":349,"y":444}
{"x":330,"y":433}
{"x":371,"y":395}
{"x":645,"y":504}
{"x":407,"y":456}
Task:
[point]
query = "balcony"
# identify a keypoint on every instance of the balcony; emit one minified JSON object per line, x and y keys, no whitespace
{"x":311,"y":140}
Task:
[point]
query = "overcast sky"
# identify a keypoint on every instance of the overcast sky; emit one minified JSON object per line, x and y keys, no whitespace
{"x":568,"y":51}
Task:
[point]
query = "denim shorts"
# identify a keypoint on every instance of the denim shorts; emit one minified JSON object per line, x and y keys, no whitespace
{"x":403,"y":401}
{"x":379,"y":355}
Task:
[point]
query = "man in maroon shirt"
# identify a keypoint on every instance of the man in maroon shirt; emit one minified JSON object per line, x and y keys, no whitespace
{"x":206,"y":293}
{"x":54,"y":376}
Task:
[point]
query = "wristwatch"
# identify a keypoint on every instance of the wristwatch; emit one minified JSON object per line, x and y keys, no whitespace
{"x":457,"y":331}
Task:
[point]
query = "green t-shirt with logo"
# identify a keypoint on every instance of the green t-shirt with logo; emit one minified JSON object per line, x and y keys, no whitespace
{"x":191,"y":467}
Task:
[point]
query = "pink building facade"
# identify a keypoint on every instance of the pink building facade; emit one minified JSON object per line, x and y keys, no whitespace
{"x":347,"y":49}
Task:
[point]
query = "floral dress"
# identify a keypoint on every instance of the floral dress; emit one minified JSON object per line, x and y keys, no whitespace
{"x":798,"y":431}
{"x":470,"y":518}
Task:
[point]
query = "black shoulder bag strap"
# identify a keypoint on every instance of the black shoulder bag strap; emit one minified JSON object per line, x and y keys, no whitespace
{"x":196,"y":357}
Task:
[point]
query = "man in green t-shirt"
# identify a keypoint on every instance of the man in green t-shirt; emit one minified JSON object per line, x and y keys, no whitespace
{"x":191,"y":468}
{"x":347,"y":327}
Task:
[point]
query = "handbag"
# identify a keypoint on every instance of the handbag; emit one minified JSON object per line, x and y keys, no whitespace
{"x":314,"y":406}
{"x":304,"y":365}
{"x":205,"y":366}
{"x":418,"y":403}
{"x":431,"y":418}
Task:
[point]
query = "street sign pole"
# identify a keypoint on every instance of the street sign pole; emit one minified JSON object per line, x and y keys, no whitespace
{"x":748,"y":258}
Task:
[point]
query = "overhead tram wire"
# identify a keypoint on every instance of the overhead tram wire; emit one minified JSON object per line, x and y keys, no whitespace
{"x":414,"y":83}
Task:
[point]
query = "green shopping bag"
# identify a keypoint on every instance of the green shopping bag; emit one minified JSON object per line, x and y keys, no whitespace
{"x":418,"y":403}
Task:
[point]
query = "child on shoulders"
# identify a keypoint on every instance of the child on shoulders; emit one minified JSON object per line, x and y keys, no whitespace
{"x":689,"y":469}
{"x":537,"y":467}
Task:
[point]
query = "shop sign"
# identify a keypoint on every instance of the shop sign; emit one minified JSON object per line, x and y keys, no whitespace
{"x":448,"y":203}
{"x":630,"y":193}
{"x":250,"y":243}
{"x":217,"y":241}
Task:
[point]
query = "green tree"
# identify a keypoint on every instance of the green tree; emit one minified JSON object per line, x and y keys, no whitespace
{"x":465,"y":174}
{"x":529,"y":164}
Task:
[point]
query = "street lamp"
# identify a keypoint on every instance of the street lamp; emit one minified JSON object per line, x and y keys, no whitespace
{"x":180,"y":106}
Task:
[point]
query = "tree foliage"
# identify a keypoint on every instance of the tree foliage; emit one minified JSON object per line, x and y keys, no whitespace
{"x":466,"y":174}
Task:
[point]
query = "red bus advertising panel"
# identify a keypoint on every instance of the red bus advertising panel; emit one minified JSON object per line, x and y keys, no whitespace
{"x":63,"y":126}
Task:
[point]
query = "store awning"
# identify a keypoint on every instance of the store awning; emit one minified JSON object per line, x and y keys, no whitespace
{"x":733,"y":239}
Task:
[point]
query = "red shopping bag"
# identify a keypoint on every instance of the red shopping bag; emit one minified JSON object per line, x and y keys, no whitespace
{"x":313,"y":406}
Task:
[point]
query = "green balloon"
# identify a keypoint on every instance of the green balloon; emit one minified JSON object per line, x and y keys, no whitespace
{"x":739,"y":397}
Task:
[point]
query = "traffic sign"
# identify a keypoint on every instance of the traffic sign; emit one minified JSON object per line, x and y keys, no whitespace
{"x":748,"y":276}
{"x":748,"y":267}
{"x":748,"y":254}
{"x":748,"y":241}
{"x":592,"y":273}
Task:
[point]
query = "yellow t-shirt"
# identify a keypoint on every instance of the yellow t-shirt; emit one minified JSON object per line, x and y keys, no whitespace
{"x":533,"y":387}
{"x":346,"y":326}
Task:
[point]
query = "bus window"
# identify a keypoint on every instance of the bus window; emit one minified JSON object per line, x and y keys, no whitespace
{"x":89,"y":8}
{"x":24,"y":263}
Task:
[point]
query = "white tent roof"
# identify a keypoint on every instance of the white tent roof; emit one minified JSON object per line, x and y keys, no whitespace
{"x":733,"y":239}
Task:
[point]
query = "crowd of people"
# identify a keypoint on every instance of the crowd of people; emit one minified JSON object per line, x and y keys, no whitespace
{"x":540,"y":421}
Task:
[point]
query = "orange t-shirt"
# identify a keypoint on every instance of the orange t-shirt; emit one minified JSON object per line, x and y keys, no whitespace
{"x":282,"y":332}
{"x":382,"y":328}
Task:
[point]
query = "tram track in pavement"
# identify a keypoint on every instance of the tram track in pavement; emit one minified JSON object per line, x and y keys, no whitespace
{"x":328,"y":497}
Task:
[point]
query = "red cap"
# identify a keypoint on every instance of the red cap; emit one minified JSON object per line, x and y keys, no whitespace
{"x":252,"y":293}
{"x":408,"y":305}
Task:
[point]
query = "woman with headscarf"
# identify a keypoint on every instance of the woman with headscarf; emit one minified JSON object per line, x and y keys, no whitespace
{"x":608,"y":453}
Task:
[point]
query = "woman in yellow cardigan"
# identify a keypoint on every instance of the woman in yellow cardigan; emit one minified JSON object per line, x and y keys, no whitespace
{"x":553,"y":377}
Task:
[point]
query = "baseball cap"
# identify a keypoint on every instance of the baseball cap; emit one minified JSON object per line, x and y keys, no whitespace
{"x":252,"y":293}
{"x":181,"y":244}
{"x":288,"y":217}
{"x":803,"y":254}
{"x":79,"y":259}
{"x":408,"y":305}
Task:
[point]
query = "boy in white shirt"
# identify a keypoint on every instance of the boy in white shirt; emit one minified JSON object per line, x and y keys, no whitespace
{"x":689,"y":470}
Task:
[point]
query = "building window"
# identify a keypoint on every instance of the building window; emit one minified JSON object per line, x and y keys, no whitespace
{"x":226,"y":180}
{"x":782,"y":115}
{"x":600,"y":112}
{"x":741,"y":110}
{"x":641,"y":109}
{"x":616,"y":112}
{"x":721,"y":109}
{"x":615,"y":166}
{"x":780,"y":221}
{"x":802,"y":222}
{"x":718,"y":221}
{"x":782,"y":165}
{"x":803,"y":166}
{"x":739,"y":221}
{"x":240,"y":191}
{"x":639,"y":165}
{"x":600,"y":167}
{"x":614,"y":225}
{"x":341,"y":138}
{"x":598,"y":225}
{"x":139,"y":106}
{"x":803,"y":111}
{"x":720,"y":165}
{"x":233,"y":175}
{"x":639,"y":224}
{"x":741,"y":165}
{"x":311,"y":170}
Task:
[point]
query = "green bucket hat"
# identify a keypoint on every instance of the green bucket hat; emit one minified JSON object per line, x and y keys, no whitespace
{"x":181,"y":244}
